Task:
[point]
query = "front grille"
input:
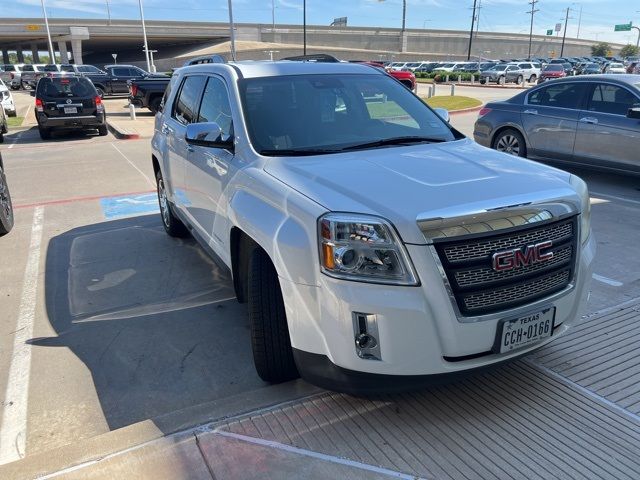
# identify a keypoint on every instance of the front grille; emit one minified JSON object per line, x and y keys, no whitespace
{"x":479,"y":289}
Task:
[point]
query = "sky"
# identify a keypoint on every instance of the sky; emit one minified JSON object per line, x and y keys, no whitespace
{"x":596,"y":18}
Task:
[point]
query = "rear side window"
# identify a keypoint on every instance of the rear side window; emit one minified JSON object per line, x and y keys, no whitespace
{"x":28,"y":68}
{"x":215,"y":106}
{"x":50,"y":68}
{"x":68,"y":68}
{"x":88,"y":69}
{"x":122,"y":72}
{"x":9,"y":68}
{"x":185,"y":108}
{"x":562,"y":95}
{"x":65,"y":87}
{"x":612,"y":99}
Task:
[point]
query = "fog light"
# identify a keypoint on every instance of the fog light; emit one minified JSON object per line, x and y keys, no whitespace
{"x":365,"y":328}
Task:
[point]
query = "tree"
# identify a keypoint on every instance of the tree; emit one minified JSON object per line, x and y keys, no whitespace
{"x":601,"y":49}
{"x":629,"y":51}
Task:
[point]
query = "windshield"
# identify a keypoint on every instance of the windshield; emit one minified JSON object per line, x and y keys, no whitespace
{"x":616,"y":65}
{"x":555,"y":67}
{"x":499,"y":67}
{"x":327,"y":113}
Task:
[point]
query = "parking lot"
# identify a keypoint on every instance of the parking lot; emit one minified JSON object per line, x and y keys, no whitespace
{"x":109,"y":322}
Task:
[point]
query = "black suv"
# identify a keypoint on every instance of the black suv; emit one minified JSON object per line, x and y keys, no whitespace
{"x":68,"y":103}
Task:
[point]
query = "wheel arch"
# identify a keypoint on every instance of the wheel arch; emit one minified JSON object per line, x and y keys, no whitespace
{"x":509,"y":126}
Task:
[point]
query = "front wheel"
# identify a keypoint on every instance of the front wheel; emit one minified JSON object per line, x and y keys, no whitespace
{"x":533,"y":78}
{"x":154,"y":105}
{"x":172,"y":224}
{"x":519,"y":80}
{"x":270,"y":341}
{"x":511,"y":142}
{"x":6,"y":209}
{"x":102,"y":130}
{"x":501,"y":80}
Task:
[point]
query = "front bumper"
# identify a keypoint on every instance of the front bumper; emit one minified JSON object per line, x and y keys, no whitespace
{"x":84,"y":121}
{"x":418,"y":331}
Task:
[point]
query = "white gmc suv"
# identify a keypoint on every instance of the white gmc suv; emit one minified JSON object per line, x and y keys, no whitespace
{"x":376,"y":246}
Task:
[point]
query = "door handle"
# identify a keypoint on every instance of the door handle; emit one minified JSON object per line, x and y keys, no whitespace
{"x":166,"y":129}
{"x":531,"y":112}
{"x":190,"y":148}
{"x":590,"y":120}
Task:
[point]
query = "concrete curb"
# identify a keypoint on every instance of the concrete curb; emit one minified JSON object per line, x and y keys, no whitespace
{"x":466,"y":110}
{"x":120,"y":132}
{"x":94,"y":449}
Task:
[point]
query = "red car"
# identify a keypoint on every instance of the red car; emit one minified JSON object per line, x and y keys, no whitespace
{"x":407,"y":78}
{"x":551,"y":71}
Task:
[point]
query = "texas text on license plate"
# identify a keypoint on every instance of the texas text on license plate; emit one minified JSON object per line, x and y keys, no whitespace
{"x":70,"y":110}
{"x":522,"y":331}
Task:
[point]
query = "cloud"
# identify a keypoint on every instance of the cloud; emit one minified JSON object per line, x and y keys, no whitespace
{"x":289,"y":4}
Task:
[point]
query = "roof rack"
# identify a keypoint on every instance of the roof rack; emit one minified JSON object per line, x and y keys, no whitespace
{"x":318,"y":57}
{"x":205,"y":59}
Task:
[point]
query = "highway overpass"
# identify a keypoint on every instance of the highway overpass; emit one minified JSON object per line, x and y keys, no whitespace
{"x":93,"y":41}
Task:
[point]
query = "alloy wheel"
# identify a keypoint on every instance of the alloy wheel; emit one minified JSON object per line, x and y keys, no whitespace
{"x":508,"y":144}
{"x":164,"y":204}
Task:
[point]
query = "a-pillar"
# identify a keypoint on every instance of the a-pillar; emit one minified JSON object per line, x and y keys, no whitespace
{"x":19,"y":54}
{"x":34,"y":53}
{"x":64,"y":55}
{"x":5,"y":56}
{"x":76,"y":48}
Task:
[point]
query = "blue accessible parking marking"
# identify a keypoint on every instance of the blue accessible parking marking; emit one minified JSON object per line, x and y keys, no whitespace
{"x":129,"y":205}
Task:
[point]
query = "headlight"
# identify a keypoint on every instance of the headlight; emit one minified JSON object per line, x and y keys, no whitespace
{"x":585,"y":216}
{"x":363,"y":248}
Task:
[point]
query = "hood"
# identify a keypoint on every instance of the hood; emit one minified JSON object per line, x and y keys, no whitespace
{"x":403,"y":184}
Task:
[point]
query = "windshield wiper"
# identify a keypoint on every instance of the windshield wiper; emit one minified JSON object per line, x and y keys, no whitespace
{"x":393,"y":141}
{"x":297,"y":152}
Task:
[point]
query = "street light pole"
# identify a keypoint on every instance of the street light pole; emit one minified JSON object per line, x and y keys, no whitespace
{"x":52,"y":56}
{"x":532,"y":12}
{"x":273,"y":16}
{"x":144,"y":34}
{"x":637,"y":41}
{"x":473,"y":20}
{"x":232,"y":32}
{"x":304,"y":27}
{"x":108,"y":13}
{"x":564,"y":35}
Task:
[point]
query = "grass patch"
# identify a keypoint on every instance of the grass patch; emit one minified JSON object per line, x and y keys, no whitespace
{"x":452,"y":102}
{"x":385,"y":110}
{"x":424,"y":80}
{"x":14,"y":121}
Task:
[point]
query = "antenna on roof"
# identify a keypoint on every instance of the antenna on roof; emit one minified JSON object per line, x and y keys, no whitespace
{"x":233,"y":39}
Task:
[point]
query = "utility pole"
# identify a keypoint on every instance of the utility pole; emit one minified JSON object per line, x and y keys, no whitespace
{"x":579,"y":22}
{"x":144,"y":34}
{"x":564,"y":35}
{"x":273,"y":16}
{"x":404,"y":14}
{"x":473,"y":20}
{"x":532,"y":12}
{"x":232,"y":32}
{"x":304,"y":27}
{"x":478,"y":18}
{"x":108,"y":13}
{"x":52,"y":54}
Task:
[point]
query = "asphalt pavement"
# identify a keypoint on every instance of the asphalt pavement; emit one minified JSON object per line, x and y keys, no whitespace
{"x":116,"y":338}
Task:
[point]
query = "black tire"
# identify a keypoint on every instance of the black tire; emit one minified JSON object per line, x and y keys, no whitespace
{"x":102,"y":130}
{"x":533,"y":78}
{"x":1,"y":136}
{"x":270,"y":341}
{"x":510,"y":141}
{"x":520,"y":79}
{"x":100,"y":92}
{"x":154,"y":105}
{"x":6,"y":208}
{"x":172,"y":224}
{"x":501,"y":80}
{"x":13,"y":114}
{"x":45,"y":133}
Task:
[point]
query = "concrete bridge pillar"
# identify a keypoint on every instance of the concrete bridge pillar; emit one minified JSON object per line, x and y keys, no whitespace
{"x":19,"y":54}
{"x":5,"y":56}
{"x":34,"y":53}
{"x":64,"y":55}
{"x":403,"y":40}
{"x":76,"y":48}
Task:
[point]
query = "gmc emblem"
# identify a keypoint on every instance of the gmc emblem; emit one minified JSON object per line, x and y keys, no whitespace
{"x":519,"y":257}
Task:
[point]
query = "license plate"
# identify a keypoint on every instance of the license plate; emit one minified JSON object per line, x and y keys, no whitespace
{"x":525,"y":330}
{"x":70,"y":110}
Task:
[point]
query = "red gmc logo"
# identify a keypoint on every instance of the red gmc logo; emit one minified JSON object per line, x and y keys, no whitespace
{"x":518,"y":257}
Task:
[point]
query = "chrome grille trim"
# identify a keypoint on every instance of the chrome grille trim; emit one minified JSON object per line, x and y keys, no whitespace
{"x":521,"y":291}
{"x":468,"y":278}
{"x":481,"y":249}
{"x":478,"y":292}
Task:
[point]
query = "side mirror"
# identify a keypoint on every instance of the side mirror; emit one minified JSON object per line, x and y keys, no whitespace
{"x":634,"y":113}
{"x":207,"y":134}
{"x":443,"y":113}
{"x":32,"y":93}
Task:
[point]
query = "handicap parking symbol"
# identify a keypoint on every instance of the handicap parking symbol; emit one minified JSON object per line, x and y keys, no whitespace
{"x":129,"y":205}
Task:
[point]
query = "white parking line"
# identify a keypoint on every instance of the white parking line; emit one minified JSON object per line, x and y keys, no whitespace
{"x":151,"y":182}
{"x":320,"y":456}
{"x":13,"y":431}
{"x":614,"y":197}
{"x":15,"y":139}
{"x":608,"y":281}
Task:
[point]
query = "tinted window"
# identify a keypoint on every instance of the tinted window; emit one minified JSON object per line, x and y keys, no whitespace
{"x":612,"y":99}
{"x":167,"y":91}
{"x":186,"y":106}
{"x":121,"y":72}
{"x":28,"y":68}
{"x":564,"y":95}
{"x":50,"y":68}
{"x":88,"y":69}
{"x":9,"y":68}
{"x":65,"y":87}
{"x":68,"y":68}
{"x":215,"y":106}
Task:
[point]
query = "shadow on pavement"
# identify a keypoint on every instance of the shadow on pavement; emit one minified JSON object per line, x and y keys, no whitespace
{"x":152,"y":317}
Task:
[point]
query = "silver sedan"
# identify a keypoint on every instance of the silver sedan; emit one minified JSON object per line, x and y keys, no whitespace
{"x":591,"y":121}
